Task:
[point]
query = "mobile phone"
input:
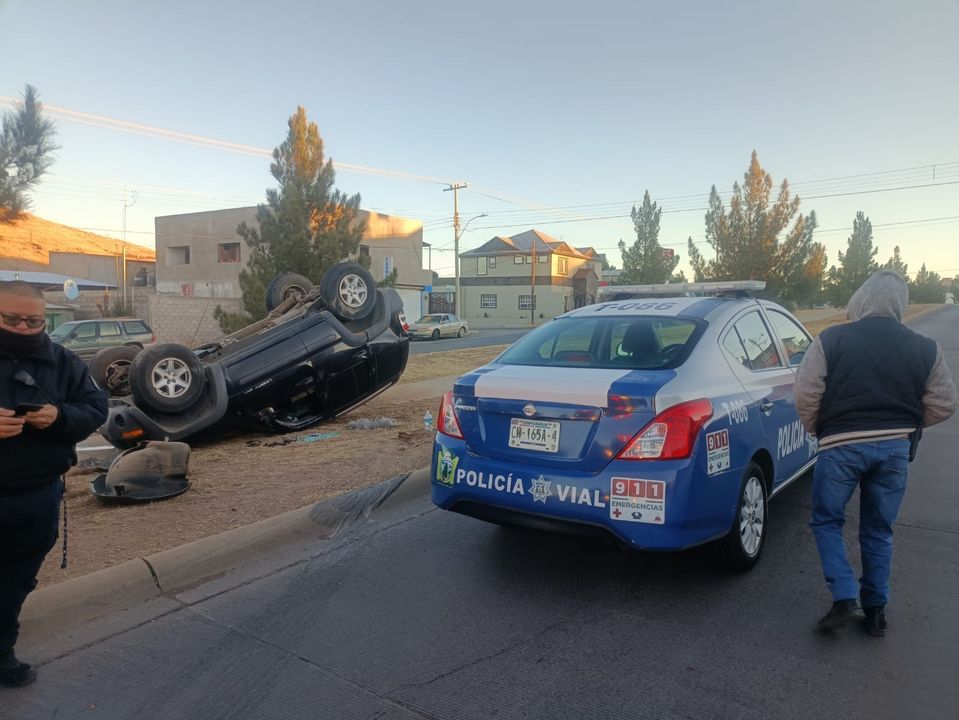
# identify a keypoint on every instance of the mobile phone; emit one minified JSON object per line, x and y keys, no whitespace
{"x":24,"y":408}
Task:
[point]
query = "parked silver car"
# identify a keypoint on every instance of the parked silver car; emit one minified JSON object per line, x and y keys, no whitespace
{"x":437,"y":325}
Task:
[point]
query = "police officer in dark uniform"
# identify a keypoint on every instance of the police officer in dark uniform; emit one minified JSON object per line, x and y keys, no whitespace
{"x":48,"y":403}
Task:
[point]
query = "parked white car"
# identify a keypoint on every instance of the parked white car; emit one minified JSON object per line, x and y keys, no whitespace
{"x":437,"y":325}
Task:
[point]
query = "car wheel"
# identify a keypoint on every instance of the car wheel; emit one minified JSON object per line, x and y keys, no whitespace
{"x":461,"y":332}
{"x":284,"y":286}
{"x":348,"y":290}
{"x":435,"y":335}
{"x":167,"y":378}
{"x":740,"y":549}
{"x":110,"y":369}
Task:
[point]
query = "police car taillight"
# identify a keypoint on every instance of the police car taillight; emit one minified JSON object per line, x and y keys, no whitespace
{"x":446,"y":421}
{"x":671,"y":435}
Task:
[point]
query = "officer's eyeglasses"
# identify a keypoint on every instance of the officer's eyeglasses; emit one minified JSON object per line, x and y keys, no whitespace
{"x":14,"y":320}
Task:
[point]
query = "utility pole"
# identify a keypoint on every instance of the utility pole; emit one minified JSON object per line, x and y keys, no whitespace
{"x":129,"y":200}
{"x":532,"y":288}
{"x":456,"y":240}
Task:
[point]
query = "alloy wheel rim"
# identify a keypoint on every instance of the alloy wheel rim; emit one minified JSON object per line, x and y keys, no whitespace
{"x":171,"y":378}
{"x":752,"y":517}
{"x":353,"y":290}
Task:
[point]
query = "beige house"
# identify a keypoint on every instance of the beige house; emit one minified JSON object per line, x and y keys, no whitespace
{"x":526,"y":278}
{"x":200,"y":254}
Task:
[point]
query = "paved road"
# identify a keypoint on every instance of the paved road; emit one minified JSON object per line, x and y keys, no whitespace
{"x":476,"y":338}
{"x":416,"y":613}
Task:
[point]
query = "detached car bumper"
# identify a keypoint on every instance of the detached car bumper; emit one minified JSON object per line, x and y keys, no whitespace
{"x":643,"y":505}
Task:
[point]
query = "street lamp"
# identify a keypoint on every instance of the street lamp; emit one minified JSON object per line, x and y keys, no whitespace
{"x":456,"y":250}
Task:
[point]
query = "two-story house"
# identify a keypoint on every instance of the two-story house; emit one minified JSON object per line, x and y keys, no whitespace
{"x":526,"y":277}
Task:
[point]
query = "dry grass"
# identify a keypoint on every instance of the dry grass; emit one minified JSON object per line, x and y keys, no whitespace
{"x":30,"y":240}
{"x":427,"y":366}
{"x":817,"y":326}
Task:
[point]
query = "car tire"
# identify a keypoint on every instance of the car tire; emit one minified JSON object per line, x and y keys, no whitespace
{"x":742,"y":546}
{"x":435,"y":335}
{"x":284,"y":286}
{"x":348,"y":290}
{"x":167,"y":378}
{"x":110,"y":369}
{"x":461,"y":332}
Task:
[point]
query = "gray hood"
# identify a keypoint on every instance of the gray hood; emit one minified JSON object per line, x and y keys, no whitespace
{"x":885,"y":293}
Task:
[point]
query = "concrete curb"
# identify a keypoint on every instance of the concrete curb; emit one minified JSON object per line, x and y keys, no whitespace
{"x":77,"y":612}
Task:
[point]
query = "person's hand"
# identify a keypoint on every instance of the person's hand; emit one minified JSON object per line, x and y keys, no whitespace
{"x":43,"y":418}
{"x":10,"y":426}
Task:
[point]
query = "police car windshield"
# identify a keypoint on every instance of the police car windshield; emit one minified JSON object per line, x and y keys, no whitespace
{"x":631,"y":343}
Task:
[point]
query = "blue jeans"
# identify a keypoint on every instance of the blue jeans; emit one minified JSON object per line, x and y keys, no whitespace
{"x":880,"y":470}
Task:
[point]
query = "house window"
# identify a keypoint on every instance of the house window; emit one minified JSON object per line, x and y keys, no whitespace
{"x":517,"y":259}
{"x":364,"y":250}
{"x":179,"y":255}
{"x":527,"y":302}
{"x":492,"y":262}
{"x":487,"y":302}
{"x":541,"y":259}
{"x":528,"y":260}
{"x":228,"y":252}
{"x":563,"y":266}
{"x":481,"y":266}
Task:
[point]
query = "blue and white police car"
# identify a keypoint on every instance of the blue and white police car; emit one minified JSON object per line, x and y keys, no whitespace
{"x":659,"y":422}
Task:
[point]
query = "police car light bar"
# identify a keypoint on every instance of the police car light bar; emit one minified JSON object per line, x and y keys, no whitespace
{"x":683,"y":289}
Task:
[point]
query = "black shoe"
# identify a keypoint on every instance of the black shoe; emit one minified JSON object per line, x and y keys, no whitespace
{"x":14,"y":673}
{"x":841,"y":612}
{"x":875,"y":622}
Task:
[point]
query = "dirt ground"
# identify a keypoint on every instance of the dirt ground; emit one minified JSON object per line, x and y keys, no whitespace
{"x":250,"y":477}
{"x":246,"y":478}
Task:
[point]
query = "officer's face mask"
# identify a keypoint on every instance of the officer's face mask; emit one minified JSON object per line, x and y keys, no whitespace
{"x":17,"y":344}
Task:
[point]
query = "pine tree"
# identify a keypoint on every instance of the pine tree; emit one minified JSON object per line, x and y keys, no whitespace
{"x":927,"y":287}
{"x":857,"y":263}
{"x":645,"y":262}
{"x":809,"y":287}
{"x":306,"y":225}
{"x":896,"y":263}
{"x":747,"y":239}
{"x":26,"y":153}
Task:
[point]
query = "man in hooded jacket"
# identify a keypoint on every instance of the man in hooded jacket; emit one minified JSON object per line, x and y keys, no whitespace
{"x":863,"y":389}
{"x":48,"y":403}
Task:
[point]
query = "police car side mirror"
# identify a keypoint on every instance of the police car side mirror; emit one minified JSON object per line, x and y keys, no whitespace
{"x":796,"y":358}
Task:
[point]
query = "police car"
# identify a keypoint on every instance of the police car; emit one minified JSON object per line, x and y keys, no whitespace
{"x":659,"y":422}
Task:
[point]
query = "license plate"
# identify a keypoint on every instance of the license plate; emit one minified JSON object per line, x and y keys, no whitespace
{"x":541,"y":435}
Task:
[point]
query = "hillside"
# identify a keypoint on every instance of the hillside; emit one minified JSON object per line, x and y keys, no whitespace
{"x":26,"y":244}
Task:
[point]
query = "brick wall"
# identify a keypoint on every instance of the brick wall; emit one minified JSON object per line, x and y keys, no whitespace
{"x":188,"y":320}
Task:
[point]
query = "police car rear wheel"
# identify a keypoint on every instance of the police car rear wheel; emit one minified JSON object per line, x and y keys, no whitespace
{"x":743,"y":545}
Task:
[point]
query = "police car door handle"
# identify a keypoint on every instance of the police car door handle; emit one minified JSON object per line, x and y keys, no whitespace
{"x":766,"y":406}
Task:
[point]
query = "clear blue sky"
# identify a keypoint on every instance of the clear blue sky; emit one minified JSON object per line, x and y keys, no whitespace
{"x":541,"y":105}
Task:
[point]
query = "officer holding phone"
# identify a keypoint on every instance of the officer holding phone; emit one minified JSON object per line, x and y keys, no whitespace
{"x":48,"y":404}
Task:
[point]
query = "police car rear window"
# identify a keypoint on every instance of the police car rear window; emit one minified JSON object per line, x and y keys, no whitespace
{"x":631,"y":343}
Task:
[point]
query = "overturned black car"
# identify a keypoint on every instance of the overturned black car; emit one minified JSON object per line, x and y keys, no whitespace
{"x":320,"y":352}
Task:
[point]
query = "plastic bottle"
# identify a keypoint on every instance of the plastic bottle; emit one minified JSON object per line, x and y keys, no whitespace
{"x":428,"y":421}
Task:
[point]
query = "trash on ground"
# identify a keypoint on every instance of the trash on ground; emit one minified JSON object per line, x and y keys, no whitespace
{"x":316,"y":437}
{"x":371,"y":423}
{"x":154,"y":470}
